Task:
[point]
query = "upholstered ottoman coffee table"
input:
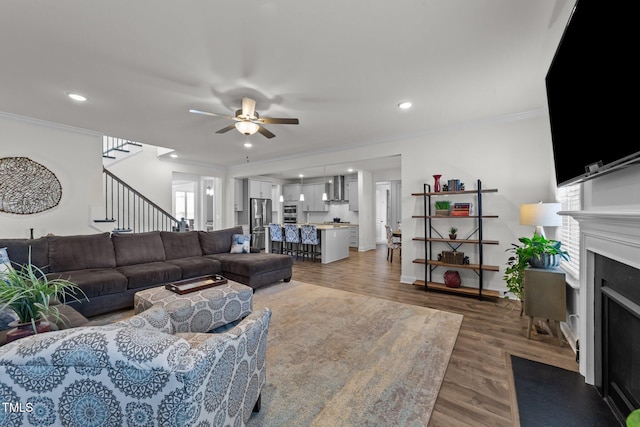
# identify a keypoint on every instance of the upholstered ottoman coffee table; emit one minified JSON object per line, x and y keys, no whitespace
{"x":199,"y":311}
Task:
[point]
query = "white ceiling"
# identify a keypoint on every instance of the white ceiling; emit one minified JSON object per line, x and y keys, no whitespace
{"x":340,"y":67}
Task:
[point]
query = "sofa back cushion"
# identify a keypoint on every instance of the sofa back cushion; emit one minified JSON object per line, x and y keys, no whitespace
{"x":18,"y":251}
{"x":180,"y":245}
{"x":138,"y":248}
{"x":219,"y":241}
{"x":80,"y":252}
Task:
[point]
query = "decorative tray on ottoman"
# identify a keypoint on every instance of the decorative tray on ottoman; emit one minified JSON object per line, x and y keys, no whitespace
{"x":196,"y":284}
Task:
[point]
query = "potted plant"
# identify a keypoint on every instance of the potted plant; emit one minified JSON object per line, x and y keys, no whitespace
{"x":538,"y":252}
{"x":31,"y":295}
{"x":453,"y":233}
{"x":442,"y":207}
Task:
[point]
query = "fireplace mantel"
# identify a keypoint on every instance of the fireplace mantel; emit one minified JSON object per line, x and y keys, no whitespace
{"x":615,"y":235}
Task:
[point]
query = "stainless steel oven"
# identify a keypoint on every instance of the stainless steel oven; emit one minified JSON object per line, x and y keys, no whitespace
{"x":290,"y":213}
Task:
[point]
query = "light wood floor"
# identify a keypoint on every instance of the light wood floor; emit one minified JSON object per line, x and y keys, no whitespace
{"x":476,"y":390}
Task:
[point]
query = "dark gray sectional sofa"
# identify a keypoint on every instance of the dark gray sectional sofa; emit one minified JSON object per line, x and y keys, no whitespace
{"x":111,"y":268}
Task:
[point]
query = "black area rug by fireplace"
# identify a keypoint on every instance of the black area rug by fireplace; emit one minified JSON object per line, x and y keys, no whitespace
{"x":556,"y":397}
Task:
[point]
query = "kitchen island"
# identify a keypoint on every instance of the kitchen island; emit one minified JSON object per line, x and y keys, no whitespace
{"x":334,"y":241}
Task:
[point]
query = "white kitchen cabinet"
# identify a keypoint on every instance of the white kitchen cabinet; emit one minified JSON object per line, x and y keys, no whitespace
{"x":313,"y":198}
{"x":259,"y":189}
{"x":354,"y":237}
{"x":238,"y":196}
{"x":291,"y":192}
{"x":352,"y":188}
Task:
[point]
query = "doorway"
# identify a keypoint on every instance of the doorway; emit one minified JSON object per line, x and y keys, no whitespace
{"x":383,"y":210}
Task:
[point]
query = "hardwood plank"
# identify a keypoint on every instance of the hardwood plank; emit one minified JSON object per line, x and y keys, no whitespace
{"x":476,"y":390}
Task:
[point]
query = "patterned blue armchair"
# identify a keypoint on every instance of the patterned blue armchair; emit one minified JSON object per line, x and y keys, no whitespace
{"x":135,"y":373}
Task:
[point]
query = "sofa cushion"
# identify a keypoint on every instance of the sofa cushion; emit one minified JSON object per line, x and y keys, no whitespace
{"x":252,"y":263}
{"x":138,"y":248}
{"x":219,"y":241}
{"x":180,"y":245}
{"x":18,"y":251}
{"x":197,"y":266}
{"x":94,"y":281}
{"x":80,"y":252}
{"x":150,"y":273}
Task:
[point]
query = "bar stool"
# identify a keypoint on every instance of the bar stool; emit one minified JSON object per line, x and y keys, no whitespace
{"x":310,"y":241}
{"x":275,"y":235}
{"x":292,"y":239}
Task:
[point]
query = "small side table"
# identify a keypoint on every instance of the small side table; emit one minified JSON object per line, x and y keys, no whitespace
{"x":545,"y":296}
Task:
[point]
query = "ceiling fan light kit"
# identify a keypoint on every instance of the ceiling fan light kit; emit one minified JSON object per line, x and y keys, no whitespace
{"x":248,"y":121}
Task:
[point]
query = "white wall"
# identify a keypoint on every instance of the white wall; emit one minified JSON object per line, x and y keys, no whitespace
{"x":512,"y":154}
{"x":74,"y":156}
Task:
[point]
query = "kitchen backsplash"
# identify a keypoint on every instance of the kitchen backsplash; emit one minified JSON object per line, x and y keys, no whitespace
{"x":336,"y":210}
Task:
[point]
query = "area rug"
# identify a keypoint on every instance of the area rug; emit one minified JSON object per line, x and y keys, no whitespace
{"x":336,"y":358}
{"x":550,"y":396}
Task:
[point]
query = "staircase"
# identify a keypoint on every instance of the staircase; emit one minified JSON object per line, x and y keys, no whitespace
{"x":116,"y":149}
{"x":130,"y":211}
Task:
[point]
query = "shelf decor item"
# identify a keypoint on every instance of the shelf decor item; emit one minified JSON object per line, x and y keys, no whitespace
{"x":453,"y":233}
{"x":436,"y":183}
{"x":452,"y":279}
{"x":442,"y":207}
{"x":453,"y":257}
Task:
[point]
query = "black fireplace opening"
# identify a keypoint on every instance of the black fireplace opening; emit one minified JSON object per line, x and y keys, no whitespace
{"x":617,"y":335}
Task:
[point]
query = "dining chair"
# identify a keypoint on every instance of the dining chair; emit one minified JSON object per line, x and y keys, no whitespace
{"x":310,"y":241}
{"x":392,"y":244}
{"x":276,"y":238}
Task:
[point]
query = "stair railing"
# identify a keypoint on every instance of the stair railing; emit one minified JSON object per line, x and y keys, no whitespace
{"x":112,"y":144}
{"x":130,"y":211}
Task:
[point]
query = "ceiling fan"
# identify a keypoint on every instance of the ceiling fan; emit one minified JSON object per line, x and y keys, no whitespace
{"x":247,"y":120}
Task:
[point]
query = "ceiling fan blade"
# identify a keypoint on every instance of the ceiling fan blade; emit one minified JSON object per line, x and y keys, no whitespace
{"x":265,"y":132}
{"x":206,"y":113}
{"x":271,"y":120}
{"x":227,"y":129}
{"x":248,"y":108}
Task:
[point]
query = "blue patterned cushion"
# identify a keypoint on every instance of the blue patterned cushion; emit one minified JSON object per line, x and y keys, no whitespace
{"x":241,"y":244}
{"x":291,"y":232}
{"x":309,"y":234}
{"x":5,"y":264}
{"x":275,"y":232}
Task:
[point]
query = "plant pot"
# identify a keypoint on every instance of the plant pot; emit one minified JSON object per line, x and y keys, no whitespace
{"x":545,"y":261}
{"x":21,"y":330}
{"x":442,"y":212}
{"x":453,"y":236}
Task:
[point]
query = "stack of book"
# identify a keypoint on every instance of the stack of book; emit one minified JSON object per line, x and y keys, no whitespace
{"x":462,"y":209}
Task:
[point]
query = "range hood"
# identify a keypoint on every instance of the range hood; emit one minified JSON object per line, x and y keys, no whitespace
{"x":336,"y":190}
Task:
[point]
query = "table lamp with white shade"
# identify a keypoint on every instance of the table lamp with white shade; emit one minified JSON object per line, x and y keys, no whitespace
{"x":540,"y":215}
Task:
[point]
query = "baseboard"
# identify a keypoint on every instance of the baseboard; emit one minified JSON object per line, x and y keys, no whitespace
{"x":572,"y":339}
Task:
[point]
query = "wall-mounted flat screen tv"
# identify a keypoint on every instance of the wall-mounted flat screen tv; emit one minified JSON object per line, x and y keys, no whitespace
{"x":592,"y":93}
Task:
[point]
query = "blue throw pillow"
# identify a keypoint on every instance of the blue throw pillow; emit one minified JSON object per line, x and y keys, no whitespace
{"x":5,"y":264}
{"x":241,"y":243}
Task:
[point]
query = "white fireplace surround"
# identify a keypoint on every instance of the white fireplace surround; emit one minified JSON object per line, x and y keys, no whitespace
{"x":615,"y":235}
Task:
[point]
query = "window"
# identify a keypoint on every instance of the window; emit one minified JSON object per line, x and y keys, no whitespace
{"x":571,"y":200}
{"x":185,"y":206}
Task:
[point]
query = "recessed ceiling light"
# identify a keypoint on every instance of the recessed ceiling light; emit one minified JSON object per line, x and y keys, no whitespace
{"x":173,"y":156}
{"x":404,"y":105}
{"x":349,"y":170}
{"x":248,"y":144}
{"x":77,"y":97}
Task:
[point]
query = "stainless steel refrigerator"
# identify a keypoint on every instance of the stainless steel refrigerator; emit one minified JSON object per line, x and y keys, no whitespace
{"x":259,"y":220}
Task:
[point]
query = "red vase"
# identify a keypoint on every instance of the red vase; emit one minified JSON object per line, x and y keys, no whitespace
{"x":452,"y":279}
{"x":436,"y":183}
{"x":21,"y":330}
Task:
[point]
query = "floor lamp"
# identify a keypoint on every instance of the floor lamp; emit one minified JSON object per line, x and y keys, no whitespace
{"x":540,"y":215}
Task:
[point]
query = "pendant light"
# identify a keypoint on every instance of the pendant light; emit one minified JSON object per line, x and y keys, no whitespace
{"x":301,"y":188}
{"x":324,"y":180}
